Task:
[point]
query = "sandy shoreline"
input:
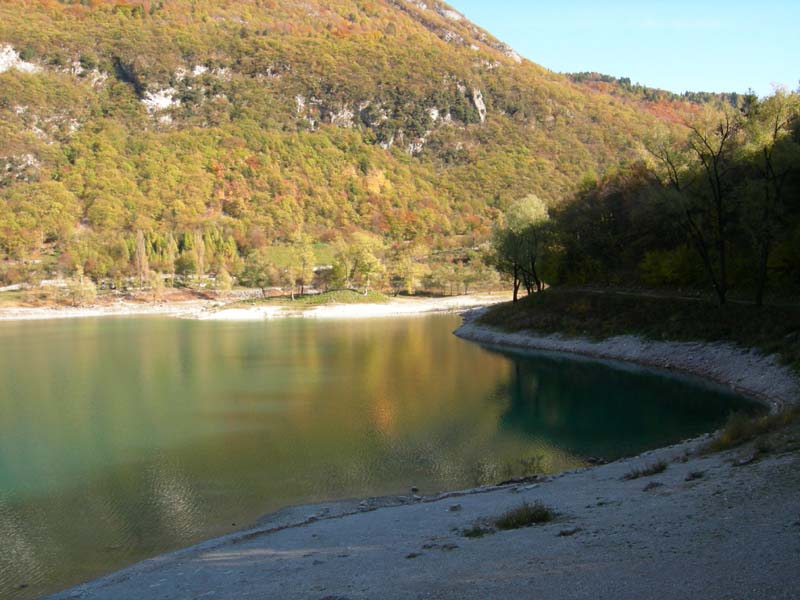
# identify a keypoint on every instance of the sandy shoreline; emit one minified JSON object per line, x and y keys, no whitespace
{"x":712,"y":526}
{"x":216,"y":310}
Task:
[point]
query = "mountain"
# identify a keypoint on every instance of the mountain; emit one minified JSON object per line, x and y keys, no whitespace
{"x":250,"y":122}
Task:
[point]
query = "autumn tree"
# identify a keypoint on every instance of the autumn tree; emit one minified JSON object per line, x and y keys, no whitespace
{"x":698,"y":174}
{"x":140,"y":259}
{"x":771,"y":155}
{"x":304,"y":260}
{"x":518,"y":243}
{"x":259,"y":271}
{"x":712,"y":143}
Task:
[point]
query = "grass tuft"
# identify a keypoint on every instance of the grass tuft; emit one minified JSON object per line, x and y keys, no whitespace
{"x":525,"y":515}
{"x":477,"y":531}
{"x":741,"y":429}
{"x":694,"y":475}
{"x":646,"y":471}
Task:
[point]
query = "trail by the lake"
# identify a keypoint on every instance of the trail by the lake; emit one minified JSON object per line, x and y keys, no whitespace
{"x":220,"y":310}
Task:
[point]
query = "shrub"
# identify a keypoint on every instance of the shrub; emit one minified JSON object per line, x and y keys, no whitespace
{"x":646,"y":471}
{"x":740,"y":428}
{"x":477,"y":531}
{"x":525,"y":515}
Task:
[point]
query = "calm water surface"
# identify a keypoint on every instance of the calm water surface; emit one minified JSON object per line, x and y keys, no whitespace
{"x":124,"y":438}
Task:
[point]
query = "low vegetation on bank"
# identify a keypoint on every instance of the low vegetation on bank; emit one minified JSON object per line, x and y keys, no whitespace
{"x":741,"y":429}
{"x":333,"y":297}
{"x":601,"y":314}
{"x":524,"y":515}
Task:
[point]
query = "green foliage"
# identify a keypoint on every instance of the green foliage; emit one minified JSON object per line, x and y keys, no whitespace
{"x":79,"y":291}
{"x":333,"y":297}
{"x":519,"y":243}
{"x":257,"y":148}
{"x":223,"y":281}
{"x":713,"y":208}
{"x":624,"y":86}
{"x":259,"y":271}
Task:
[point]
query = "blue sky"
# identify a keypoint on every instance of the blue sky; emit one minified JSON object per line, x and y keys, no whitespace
{"x":701,"y":46}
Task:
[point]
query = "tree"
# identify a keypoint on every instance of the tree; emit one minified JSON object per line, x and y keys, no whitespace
{"x":357,"y":261}
{"x":507,"y":257}
{"x":407,"y":266}
{"x":518,"y":243}
{"x":771,"y":155}
{"x":698,"y":174}
{"x":259,"y":271}
{"x":223,"y":281}
{"x":80,"y":289}
{"x":713,"y":140}
{"x":200,"y":255}
{"x":140,"y":259}
{"x":170,"y":255}
{"x":156,"y":282}
{"x":305,"y":259}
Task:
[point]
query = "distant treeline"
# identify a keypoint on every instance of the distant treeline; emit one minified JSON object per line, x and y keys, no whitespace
{"x":734,"y":99}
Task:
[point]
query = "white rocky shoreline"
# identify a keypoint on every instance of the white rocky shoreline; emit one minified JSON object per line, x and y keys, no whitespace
{"x":718,"y":526}
{"x":217,"y":310}
{"x":746,"y":371}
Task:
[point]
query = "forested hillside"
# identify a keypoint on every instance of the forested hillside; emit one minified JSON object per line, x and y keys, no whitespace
{"x":193,"y":135}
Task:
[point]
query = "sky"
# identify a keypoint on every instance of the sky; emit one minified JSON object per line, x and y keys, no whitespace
{"x":705,"y":45}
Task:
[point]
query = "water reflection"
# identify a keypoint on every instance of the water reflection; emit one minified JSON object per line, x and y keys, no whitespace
{"x":124,"y":438}
{"x":590,"y":408}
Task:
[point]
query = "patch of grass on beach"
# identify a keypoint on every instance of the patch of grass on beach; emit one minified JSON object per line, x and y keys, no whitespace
{"x":741,"y":428}
{"x":12,"y":298}
{"x":477,"y":531}
{"x":606,"y":313}
{"x":333,"y":297}
{"x":525,"y":515}
{"x":646,"y":471}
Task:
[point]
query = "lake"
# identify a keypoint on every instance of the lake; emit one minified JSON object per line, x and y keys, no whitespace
{"x":122,"y":438}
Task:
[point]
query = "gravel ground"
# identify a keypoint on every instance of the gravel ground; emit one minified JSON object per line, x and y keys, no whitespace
{"x":216,"y":310}
{"x":724,"y":532}
{"x":712,"y":526}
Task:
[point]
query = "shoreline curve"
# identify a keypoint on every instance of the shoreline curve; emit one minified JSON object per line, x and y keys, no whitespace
{"x":327,"y":546}
{"x":746,"y":372}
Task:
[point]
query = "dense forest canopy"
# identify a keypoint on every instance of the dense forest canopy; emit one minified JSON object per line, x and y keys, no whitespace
{"x":716,"y":207}
{"x":195,"y":137}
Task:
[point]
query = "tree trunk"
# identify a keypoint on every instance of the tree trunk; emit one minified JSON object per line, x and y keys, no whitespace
{"x":761,"y":282}
{"x":535,"y":275}
{"x":722,"y":290}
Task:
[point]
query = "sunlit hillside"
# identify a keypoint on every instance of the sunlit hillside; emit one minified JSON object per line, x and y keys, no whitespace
{"x":250,"y":122}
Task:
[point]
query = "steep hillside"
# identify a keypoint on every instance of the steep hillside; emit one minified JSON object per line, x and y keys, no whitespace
{"x":250,"y":122}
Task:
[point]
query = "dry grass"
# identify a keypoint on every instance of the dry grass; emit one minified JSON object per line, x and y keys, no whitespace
{"x":646,"y":471}
{"x":525,"y":515}
{"x":477,"y":531}
{"x":741,"y":429}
